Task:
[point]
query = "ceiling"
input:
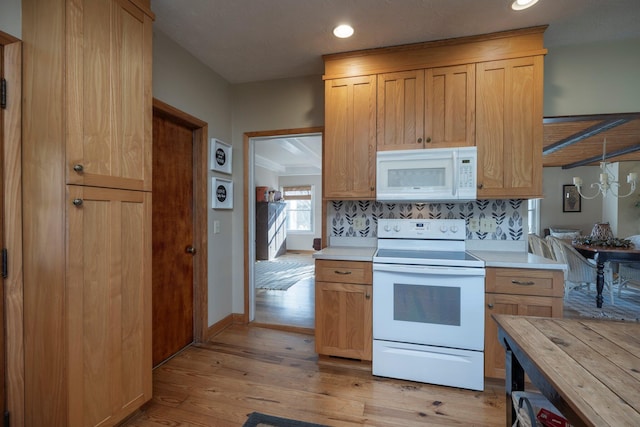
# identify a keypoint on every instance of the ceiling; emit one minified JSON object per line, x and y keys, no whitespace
{"x":256,"y":40}
{"x":291,"y":155}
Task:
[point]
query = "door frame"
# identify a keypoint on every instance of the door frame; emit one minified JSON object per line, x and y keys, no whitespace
{"x":12,"y":191}
{"x":249,"y":214}
{"x":200,"y":212}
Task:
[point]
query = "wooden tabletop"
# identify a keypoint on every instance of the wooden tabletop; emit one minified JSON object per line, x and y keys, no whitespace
{"x":590,"y":367}
{"x":614,"y":249}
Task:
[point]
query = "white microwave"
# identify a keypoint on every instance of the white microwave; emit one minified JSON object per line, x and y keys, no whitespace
{"x":427,"y":175}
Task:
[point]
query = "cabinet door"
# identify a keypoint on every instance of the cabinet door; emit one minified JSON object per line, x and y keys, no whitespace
{"x":349,"y":155}
{"x":108,"y":300}
{"x":509,"y":128}
{"x":450,"y":111}
{"x":343,"y":320}
{"x":108,"y":94}
{"x":522,"y":305}
{"x":401,"y":110}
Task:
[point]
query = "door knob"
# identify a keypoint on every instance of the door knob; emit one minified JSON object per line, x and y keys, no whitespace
{"x":190,"y":250}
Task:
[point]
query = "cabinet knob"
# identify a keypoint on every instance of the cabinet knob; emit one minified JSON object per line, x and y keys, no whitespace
{"x":77,"y":202}
{"x":367,"y":295}
{"x":420,"y":140}
{"x":490,"y":306}
{"x":190,"y":250}
{"x":373,"y":188}
{"x":78,"y":168}
{"x":428,"y":139}
{"x":480,"y":186}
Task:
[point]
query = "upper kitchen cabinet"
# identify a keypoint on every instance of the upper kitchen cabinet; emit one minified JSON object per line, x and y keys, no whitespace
{"x":483,"y":90}
{"x":349,"y":154}
{"x":429,"y":108}
{"x":509,"y":128}
{"x":108,"y":94}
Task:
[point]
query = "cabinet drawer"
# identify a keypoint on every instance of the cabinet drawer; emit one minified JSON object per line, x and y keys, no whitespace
{"x":344,"y":271}
{"x":523,"y":281}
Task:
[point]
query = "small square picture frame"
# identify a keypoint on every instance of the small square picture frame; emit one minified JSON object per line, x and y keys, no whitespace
{"x":221,"y":193}
{"x":571,"y":199}
{"x":220,"y":156}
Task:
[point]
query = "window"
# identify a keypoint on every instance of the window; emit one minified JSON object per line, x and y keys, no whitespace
{"x":299,"y":201}
{"x":533,"y":209}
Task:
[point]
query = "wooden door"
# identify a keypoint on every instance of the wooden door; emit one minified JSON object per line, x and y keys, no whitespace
{"x":107,"y":299}
{"x":450,"y":110}
{"x":522,"y":305}
{"x":344,"y":320}
{"x":173,"y":222}
{"x":349,"y":153}
{"x":108,"y":89}
{"x":400,"y":110}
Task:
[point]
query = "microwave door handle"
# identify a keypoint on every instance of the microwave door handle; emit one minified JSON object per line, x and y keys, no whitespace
{"x":454,"y":190}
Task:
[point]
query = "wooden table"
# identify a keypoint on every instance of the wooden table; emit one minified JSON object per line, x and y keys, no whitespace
{"x":602,"y":254}
{"x":589,"y":369}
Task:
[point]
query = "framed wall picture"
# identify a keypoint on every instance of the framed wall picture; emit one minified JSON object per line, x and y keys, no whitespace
{"x":221,"y":193}
{"x":220,"y":153}
{"x":571,"y":200}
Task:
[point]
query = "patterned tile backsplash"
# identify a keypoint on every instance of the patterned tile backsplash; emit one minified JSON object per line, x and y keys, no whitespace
{"x":506,"y":213}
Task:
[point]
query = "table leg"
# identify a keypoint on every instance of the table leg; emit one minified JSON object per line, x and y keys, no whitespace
{"x":599,"y":283}
{"x":514,"y":381}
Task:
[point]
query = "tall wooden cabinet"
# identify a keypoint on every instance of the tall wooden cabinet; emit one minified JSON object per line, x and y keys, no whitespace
{"x":509,"y":128}
{"x":429,"y":108}
{"x":271,"y":230}
{"x":87,"y":119}
{"x":349,"y":150}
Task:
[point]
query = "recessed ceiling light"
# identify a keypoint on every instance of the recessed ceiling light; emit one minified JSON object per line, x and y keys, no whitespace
{"x":523,"y":4}
{"x":343,"y":31}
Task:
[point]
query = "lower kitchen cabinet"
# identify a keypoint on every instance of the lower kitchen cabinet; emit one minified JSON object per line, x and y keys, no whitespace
{"x":344,"y":309}
{"x":523,"y":292}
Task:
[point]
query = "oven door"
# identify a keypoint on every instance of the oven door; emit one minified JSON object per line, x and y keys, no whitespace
{"x":437,"y":306}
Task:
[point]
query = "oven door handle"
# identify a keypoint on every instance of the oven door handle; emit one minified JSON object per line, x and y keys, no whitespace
{"x":429,"y":269}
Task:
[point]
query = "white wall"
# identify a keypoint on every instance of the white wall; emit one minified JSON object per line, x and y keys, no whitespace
{"x":183,"y":82}
{"x":265,"y":106}
{"x":551,"y":205}
{"x":592,"y":78}
{"x":265,"y":178}
{"x":300,"y":240}
{"x":11,"y":17}
{"x":622,"y":214}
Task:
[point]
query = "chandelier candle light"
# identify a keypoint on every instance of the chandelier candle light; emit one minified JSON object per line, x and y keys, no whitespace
{"x":607,"y":182}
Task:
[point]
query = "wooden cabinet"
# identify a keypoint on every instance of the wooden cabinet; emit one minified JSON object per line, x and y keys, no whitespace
{"x":349,"y":154}
{"x":271,"y":230}
{"x":524,"y":292}
{"x":108,"y":68}
{"x":344,"y":309}
{"x":509,"y":128}
{"x":429,"y":108}
{"x":108,"y":290}
{"x":86,"y":160}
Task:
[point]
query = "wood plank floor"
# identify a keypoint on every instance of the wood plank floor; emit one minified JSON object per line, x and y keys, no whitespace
{"x":248,"y":368}
{"x":293,"y":307}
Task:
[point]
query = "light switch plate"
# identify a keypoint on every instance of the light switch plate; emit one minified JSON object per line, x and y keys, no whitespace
{"x":488,"y":225}
{"x":216,"y":227}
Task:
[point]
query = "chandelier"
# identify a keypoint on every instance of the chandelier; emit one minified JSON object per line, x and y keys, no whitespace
{"x":607,"y":182}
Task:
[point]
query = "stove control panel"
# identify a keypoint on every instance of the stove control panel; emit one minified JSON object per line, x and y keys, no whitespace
{"x":449,"y":229}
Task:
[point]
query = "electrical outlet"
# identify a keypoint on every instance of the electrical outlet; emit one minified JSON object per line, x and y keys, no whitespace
{"x":474,"y":225}
{"x":488,"y":225}
{"x":359,"y":223}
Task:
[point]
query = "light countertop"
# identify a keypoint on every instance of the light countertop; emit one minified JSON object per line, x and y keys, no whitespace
{"x":346,"y":253}
{"x":511,"y":259}
{"x":355,"y":249}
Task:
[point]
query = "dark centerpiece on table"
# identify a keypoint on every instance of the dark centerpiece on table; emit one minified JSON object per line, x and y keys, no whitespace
{"x":601,"y":235}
